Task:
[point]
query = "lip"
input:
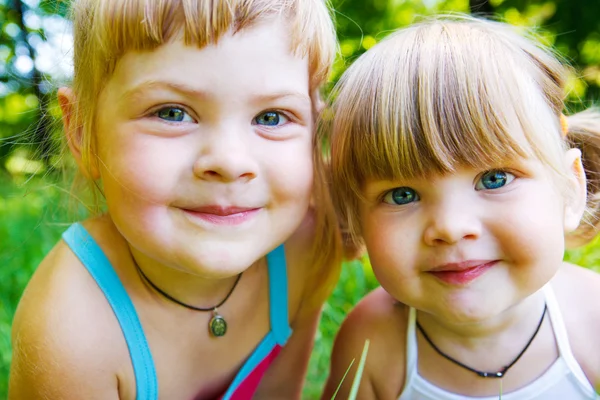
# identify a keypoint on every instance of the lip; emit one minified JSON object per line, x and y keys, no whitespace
{"x":221,"y":215}
{"x":462,"y":273}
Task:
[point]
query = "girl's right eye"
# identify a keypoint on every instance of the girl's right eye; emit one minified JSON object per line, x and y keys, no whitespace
{"x":173,"y":114}
{"x":400,"y":196}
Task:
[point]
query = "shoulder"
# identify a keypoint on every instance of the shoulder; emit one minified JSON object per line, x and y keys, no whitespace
{"x":66,"y":341}
{"x":382,"y":321}
{"x":577,"y":291}
{"x":379,"y":318}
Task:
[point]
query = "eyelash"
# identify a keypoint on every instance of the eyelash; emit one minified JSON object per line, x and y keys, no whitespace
{"x":280,"y":114}
{"x":507,"y":175}
{"x":154,"y":112}
{"x":392,"y":191}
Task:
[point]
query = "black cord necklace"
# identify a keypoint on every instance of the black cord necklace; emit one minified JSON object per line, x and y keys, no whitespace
{"x":483,"y":374}
{"x":217,"y":325}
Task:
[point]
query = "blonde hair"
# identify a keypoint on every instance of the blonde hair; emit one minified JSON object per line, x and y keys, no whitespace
{"x":452,"y":92}
{"x":104,"y":30}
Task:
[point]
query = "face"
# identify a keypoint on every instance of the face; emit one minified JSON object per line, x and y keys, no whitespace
{"x":468,"y":245}
{"x":205,"y":155}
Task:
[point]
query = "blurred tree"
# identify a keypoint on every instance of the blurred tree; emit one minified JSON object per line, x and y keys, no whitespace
{"x":41,"y":130}
{"x":30,"y":33}
{"x":571,"y":26}
{"x":481,"y":7}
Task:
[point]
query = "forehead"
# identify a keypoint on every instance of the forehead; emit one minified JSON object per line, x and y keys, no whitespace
{"x":257,"y":60}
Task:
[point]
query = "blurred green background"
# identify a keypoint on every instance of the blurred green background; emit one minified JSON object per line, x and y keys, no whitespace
{"x":35,"y":58}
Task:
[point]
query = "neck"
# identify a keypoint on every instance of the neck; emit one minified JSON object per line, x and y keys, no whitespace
{"x":187,"y":287}
{"x":512,"y":324}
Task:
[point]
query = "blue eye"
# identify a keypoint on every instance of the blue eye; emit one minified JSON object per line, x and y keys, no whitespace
{"x":494,"y":179}
{"x":400,"y":196}
{"x":270,"y":118}
{"x":173,"y":114}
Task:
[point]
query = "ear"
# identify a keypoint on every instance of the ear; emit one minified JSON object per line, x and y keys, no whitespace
{"x":576,"y":198}
{"x":318,"y":102}
{"x":74,"y":132}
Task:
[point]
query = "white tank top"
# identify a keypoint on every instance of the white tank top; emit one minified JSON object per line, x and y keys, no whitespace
{"x":564,"y":380}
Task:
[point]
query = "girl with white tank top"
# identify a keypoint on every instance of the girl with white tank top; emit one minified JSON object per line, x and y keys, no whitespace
{"x":453,"y":162}
{"x":563,"y":380}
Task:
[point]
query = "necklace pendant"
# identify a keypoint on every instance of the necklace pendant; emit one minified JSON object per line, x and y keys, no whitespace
{"x":217,"y":325}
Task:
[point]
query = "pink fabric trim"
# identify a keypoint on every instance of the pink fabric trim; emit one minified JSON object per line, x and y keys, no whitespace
{"x":246,"y":389}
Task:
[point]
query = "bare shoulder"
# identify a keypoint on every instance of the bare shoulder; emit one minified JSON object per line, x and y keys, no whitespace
{"x":578,"y":293}
{"x":66,"y":341}
{"x":382,"y":321}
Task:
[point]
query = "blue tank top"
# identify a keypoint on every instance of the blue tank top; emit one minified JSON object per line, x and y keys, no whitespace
{"x":93,"y":258}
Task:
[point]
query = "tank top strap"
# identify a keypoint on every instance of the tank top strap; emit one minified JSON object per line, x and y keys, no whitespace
{"x":93,"y":258}
{"x":412,"y":354}
{"x":560,"y":333}
{"x":278,"y":295}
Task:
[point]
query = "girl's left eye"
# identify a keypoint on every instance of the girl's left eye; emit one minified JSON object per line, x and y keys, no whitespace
{"x":270,"y":118}
{"x":173,"y":114}
{"x":494,"y":179}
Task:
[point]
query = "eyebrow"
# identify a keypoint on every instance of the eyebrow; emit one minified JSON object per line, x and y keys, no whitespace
{"x":282,"y":95}
{"x":140,"y":89}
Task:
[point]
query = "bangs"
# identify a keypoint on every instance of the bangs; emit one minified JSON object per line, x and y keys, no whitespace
{"x":435,"y":99}
{"x":110,"y":28}
{"x":145,"y":24}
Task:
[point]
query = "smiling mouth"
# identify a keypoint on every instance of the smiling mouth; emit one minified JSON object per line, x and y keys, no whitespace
{"x":216,"y":215}
{"x":457,"y":274}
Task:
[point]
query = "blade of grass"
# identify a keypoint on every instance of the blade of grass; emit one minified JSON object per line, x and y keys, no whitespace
{"x":359,"y":372}
{"x":342,"y":381}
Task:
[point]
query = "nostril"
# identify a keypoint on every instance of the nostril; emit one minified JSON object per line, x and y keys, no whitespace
{"x":248,"y":175}
{"x":211,"y":174}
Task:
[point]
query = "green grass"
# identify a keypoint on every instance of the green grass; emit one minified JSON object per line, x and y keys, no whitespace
{"x":32,"y":220}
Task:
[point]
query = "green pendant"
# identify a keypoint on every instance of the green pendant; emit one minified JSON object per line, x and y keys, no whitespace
{"x":217,"y":325}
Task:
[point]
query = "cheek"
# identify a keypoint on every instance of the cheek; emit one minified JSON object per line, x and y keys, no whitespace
{"x":142,"y":171}
{"x":290,"y":171}
{"x":533,"y":232}
{"x":390,"y":245}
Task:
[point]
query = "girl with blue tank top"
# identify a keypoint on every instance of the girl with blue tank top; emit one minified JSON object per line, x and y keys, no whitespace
{"x":205,"y":274}
{"x":453,"y":161}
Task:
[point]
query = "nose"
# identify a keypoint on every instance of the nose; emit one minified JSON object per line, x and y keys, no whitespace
{"x":226,"y":156}
{"x":451,"y":220}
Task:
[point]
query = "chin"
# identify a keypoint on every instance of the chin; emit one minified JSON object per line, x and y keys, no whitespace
{"x":471,"y":316}
{"x":476,"y":312}
{"x":224,"y":261}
